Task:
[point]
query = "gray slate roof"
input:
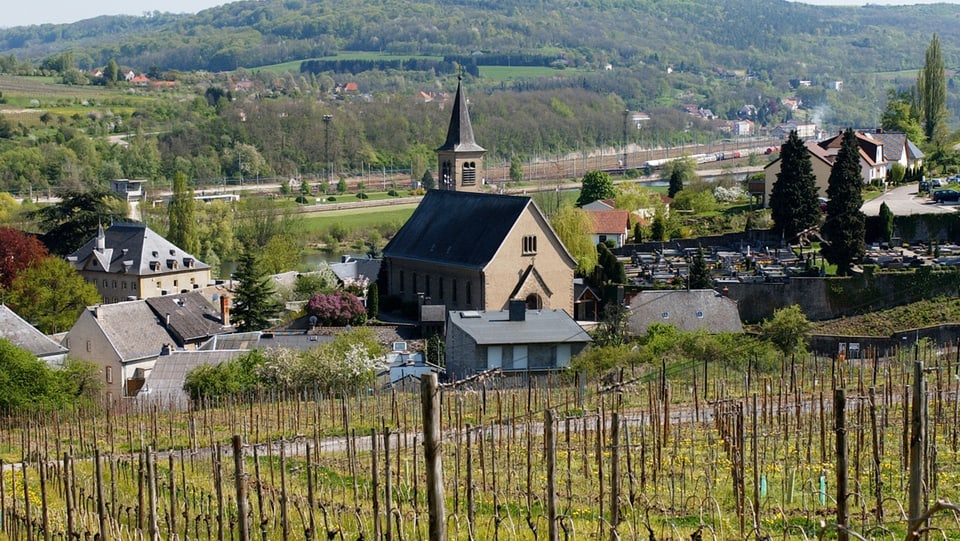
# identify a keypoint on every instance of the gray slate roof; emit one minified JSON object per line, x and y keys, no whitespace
{"x":538,"y":327}
{"x":132,"y":328}
{"x":355,"y":268}
{"x":165,"y":382}
{"x":457,"y":228}
{"x":686,"y":310}
{"x":460,"y":131}
{"x":191,"y":317}
{"x":240,"y":340}
{"x":26,"y":336}
{"x":133,"y":249}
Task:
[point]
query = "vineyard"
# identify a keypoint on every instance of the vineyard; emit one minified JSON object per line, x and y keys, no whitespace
{"x":821,"y":447}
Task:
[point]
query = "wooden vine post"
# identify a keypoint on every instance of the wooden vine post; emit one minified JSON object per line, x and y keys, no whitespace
{"x":550,"y":450}
{"x":240,"y":480}
{"x":840,"y":427}
{"x":101,"y":509}
{"x":917,"y":443}
{"x":430,"y":402}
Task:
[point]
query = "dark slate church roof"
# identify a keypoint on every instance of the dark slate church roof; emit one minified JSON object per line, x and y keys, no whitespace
{"x":133,"y":249}
{"x":460,"y":131}
{"x":462,"y":229}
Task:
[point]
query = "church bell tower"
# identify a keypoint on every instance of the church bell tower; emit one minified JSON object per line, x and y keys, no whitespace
{"x":460,"y":159}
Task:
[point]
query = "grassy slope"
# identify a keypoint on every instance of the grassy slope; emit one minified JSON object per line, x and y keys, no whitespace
{"x":886,"y":322}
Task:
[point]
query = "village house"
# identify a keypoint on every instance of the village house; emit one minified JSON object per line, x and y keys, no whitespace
{"x":515,"y":340}
{"x":130,"y":261}
{"x":687,"y":310}
{"x":875,"y":160}
{"x":125,"y":339}
{"x":610,"y":225}
{"x":24,"y":335}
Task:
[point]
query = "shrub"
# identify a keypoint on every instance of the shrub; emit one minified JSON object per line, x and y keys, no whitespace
{"x":331,"y":199}
{"x":362,"y":195}
{"x":337,"y":309}
{"x":393,"y":193}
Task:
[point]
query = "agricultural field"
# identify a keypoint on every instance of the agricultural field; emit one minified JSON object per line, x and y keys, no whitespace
{"x":687,"y":451}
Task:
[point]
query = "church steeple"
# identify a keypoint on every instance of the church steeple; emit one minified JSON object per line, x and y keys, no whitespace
{"x":460,"y":158}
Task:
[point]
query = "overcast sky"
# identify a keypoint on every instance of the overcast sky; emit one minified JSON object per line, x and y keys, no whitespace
{"x":19,"y":12}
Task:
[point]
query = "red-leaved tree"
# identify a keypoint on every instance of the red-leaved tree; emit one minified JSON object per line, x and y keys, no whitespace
{"x":337,"y":309}
{"x":18,"y":251}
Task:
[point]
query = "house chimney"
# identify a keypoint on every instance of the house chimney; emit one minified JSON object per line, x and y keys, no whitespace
{"x":98,"y":312}
{"x":518,"y":310}
{"x":101,"y":239}
{"x":167,"y":323}
{"x":225,"y":310}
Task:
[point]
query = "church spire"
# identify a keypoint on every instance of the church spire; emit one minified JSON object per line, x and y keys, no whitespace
{"x":460,"y":157}
{"x":460,"y":131}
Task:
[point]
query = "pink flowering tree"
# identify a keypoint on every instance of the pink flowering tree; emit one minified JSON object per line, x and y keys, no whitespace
{"x":337,"y":309}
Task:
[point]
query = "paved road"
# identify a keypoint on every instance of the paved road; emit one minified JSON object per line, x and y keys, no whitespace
{"x":904,"y":200}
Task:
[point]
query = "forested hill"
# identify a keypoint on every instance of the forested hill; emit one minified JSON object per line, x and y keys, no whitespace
{"x":774,"y":38}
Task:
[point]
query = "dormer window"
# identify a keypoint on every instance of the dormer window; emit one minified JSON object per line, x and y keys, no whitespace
{"x":154,"y":265}
{"x":156,"y":253}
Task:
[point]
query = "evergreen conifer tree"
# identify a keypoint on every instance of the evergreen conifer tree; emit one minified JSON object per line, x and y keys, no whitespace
{"x":844,"y":227}
{"x":254,"y":304}
{"x":794,"y":206}
{"x":700,"y":277}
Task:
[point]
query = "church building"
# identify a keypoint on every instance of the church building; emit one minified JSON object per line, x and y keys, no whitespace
{"x":471,"y":250}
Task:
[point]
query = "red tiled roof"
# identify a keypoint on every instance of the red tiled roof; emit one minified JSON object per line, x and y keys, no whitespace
{"x":610,"y":221}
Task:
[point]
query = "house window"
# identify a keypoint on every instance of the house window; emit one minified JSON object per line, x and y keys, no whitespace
{"x":469,"y":295}
{"x":123,"y":285}
{"x":415,"y":283}
{"x":401,"y":281}
{"x":426,"y":285}
{"x":454,"y":291}
{"x":133,"y":285}
{"x":158,"y":284}
{"x":440,"y":287}
{"x":106,"y":283}
{"x":603,"y":238}
{"x":175,"y":283}
{"x":109,"y":374}
{"x":114,"y":284}
{"x":529,"y":244}
{"x":88,"y":345}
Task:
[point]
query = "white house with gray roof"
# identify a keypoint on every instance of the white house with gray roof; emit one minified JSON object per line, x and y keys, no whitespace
{"x":130,"y":261}
{"x":514,"y":340}
{"x":24,"y":335}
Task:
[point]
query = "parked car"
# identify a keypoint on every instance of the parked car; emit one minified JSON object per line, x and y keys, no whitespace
{"x":924,"y":186}
{"x":940,"y":196}
{"x":936,"y":183}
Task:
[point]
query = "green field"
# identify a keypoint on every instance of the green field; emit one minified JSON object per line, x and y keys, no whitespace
{"x":354,"y":219}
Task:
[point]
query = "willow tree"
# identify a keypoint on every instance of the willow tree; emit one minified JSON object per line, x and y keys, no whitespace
{"x":574,"y":228}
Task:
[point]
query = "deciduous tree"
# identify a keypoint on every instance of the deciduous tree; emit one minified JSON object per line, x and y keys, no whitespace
{"x":787,"y":329}
{"x":574,"y":227}
{"x":793,"y":200}
{"x":596,"y":185}
{"x":844,"y":227}
{"x":51,"y":295}
{"x":18,"y":251}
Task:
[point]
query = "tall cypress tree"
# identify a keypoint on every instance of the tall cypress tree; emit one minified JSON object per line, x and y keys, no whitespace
{"x":932,"y":92}
{"x":793,"y":199}
{"x":254,"y":304}
{"x":844,"y":227}
{"x":700,"y":276}
{"x":182,"y":223}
